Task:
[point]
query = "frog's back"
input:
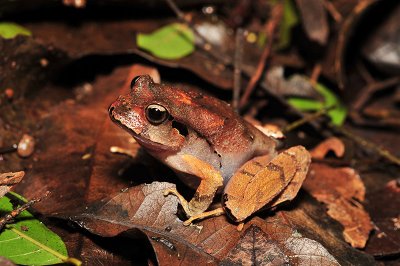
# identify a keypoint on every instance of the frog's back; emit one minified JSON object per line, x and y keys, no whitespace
{"x":231,"y":138}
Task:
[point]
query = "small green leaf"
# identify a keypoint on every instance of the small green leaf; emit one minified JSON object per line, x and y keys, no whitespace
{"x":289,"y":20}
{"x":305,"y":104}
{"x":338,"y":112}
{"x":170,"y":42}
{"x":22,"y":250}
{"x":9,"y":30}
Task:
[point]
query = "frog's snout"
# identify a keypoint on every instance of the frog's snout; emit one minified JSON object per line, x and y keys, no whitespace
{"x":114,"y":107}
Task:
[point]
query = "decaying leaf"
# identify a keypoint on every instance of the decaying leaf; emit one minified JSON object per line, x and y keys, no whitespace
{"x":342,"y":190}
{"x":383,"y":206}
{"x":212,"y":241}
{"x":258,"y":247}
{"x":7,"y":180}
{"x":332,"y":144}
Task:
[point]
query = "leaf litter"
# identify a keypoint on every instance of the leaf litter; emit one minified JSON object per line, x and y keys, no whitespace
{"x":96,"y":163}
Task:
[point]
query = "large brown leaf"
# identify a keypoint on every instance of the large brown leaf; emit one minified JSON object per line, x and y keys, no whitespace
{"x":213,"y":240}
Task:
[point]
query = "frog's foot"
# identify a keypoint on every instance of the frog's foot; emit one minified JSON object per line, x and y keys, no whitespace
{"x":216,"y":212}
{"x":240,"y":226}
{"x":184,"y":203}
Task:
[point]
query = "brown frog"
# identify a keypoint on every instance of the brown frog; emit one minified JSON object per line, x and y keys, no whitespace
{"x":209,"y":146}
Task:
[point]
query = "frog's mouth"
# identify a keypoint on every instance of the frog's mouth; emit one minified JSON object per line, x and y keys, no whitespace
{"x":150,"y":145}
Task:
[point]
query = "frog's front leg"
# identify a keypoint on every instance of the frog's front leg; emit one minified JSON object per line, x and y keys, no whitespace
{"x":210,"y":181}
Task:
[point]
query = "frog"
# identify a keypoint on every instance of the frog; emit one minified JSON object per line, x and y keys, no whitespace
{"x":210,"y":147}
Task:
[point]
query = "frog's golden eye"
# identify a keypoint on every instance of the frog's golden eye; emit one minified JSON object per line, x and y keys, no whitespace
{"x":134,"y":80}
{"x":156,"y":114}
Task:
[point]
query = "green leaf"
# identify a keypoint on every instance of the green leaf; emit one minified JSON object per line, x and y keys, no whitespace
{"x":170,"y":42}
{"x":305,"y":104}
{"x":22,"y":250}
{"x":338,"y":112}
{"x":9,"y":30}
{"x":289,"y":20}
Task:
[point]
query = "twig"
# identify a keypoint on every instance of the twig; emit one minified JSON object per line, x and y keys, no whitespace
{"x":333,"y":11}
{"x":371,"y":88}
{"x":367,"y":144}
{"x":237,"y":72}
{"x":8,"y":149}
{"x":315,"y":74}
{"x":364,"y":73}
{"x":306,"y":119}
{"x":207,"y":46}
{"x":9,"y":217}
{"x":343,"y":33}
{"x":271,"y":27}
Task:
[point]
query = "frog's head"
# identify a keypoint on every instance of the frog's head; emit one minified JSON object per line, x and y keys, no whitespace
{"x":146,"y":115}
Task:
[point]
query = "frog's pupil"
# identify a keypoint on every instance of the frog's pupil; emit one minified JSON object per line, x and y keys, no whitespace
{"x":156,"y":114}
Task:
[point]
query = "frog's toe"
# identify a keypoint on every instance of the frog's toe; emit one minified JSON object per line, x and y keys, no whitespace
{"x":170,"y":191}
{"x":188,"y":222}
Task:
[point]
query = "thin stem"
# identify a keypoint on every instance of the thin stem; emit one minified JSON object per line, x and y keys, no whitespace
{"x":237,"y":72}
{"x":306,"y":119}
{"x":271,"y":27}
{"x":8,"y":149}
{"x":367,"y":144}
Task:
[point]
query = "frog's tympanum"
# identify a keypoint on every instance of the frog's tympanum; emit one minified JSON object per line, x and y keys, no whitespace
{"x":209,"y":146}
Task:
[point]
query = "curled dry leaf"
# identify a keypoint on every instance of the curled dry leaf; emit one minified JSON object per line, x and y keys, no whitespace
{"x":332,"y":144}
{"x":7,"y":180}
{"x":212,"y":241}
{"x":342,"y":190}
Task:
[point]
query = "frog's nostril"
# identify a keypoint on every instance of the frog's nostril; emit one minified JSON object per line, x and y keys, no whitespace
{"x":111,"y":109}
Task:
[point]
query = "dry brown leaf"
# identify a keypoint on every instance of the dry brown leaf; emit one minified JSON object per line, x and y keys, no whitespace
{"x":342,"y":190}
{"x":212,"y":241}
{"x":8,"y":180}
{"x":332,"y":144}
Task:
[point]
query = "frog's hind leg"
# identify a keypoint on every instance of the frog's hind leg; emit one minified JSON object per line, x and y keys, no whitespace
{"x":203,"y":215}
{"x":210,"y":181}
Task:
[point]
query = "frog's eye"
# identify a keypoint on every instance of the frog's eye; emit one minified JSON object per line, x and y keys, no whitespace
{"x":134,"y":80}
{"x":156,"y":114}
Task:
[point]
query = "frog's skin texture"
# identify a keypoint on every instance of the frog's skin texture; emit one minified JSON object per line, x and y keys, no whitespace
{"x":179,"y":127}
